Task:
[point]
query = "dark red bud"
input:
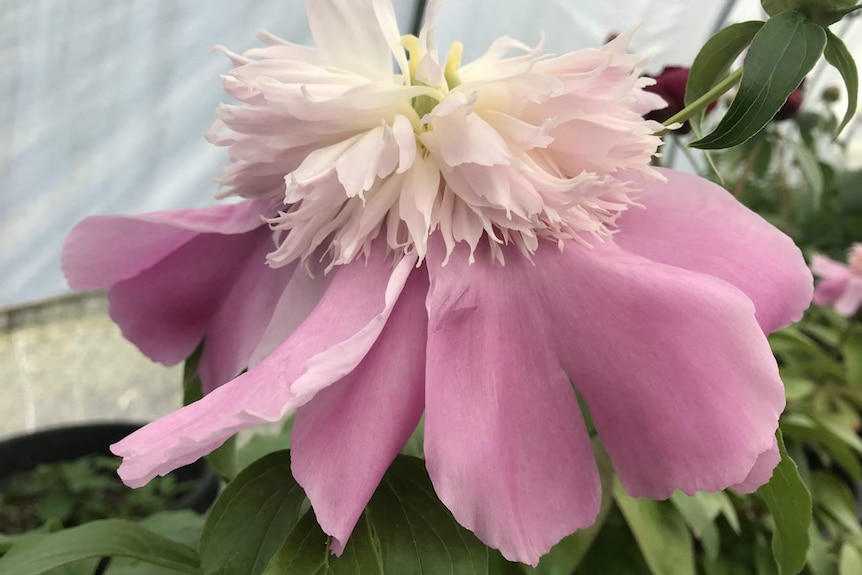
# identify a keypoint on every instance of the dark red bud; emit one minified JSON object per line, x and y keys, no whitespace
{"x":670,"y":85}
{"x":791,"y":108}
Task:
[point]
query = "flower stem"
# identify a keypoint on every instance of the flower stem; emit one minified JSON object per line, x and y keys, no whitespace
{"x":701,"y":103}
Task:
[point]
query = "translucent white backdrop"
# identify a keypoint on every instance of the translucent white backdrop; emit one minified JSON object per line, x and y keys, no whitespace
{"x":102,"y":102}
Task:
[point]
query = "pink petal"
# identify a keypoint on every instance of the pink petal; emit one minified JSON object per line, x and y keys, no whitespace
{"x":694,"y":224}
{"x":827,"y":291}
{"x":851,"y":300}
{"x":345,"y":438}
{"x":167,"y":309}
{"x":328,"y":345}
{"x":305,"y":289}
{"x":762,"y":471}
{"x":678,"y":376}
{"x":103,"y":250}
{"x":676,"y":371}
{"x":506,"y":447}
{"x":827,"y":268}
{"x":243,"y":315}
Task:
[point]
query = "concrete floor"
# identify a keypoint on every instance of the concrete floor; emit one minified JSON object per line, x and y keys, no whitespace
{"x":64,"y":361}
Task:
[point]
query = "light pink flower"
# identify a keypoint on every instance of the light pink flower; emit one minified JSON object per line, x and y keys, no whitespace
{"x":840,"y":285}
{"x":491,"y":233}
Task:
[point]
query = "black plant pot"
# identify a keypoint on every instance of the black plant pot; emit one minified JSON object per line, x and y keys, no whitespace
{"x":25,"y":452}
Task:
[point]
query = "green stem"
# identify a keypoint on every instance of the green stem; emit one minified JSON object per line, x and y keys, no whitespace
{"x":701,"y":103}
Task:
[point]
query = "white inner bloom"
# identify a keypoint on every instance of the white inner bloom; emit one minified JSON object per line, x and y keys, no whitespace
{"x":510,"y":148}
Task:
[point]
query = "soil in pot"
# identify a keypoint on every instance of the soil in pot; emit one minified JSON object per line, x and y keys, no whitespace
{"x":81,"y":490}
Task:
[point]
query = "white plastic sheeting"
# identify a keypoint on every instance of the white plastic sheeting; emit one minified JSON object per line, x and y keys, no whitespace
{"x":102,"y":106}
{"x":102,"y":102}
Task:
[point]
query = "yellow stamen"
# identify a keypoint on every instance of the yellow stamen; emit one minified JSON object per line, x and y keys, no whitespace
{"x":411,"y":44}
{"x":453,"y":63}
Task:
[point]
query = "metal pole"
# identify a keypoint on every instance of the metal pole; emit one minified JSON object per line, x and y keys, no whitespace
{"x":418,"y":16}
{"x":729,"y":5}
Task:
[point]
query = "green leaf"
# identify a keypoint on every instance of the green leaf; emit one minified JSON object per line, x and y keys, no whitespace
{"x":809,"y":165}
{"x":9,"y":541}
{"x":763,"y":561}
{"x":801,"y":428}
{"x":712,"y":65}
{"x":660,"y":532}
{"x":108,"y":538}
{"x":180,"y":526}
{"x":191,"y":382}
{"x":223,"y":459}
{"x":850,"y":562}
{"x":841,"y":58}
{"x":251,"y":518}
{"x":790,"y":504}
{"x":615,"y":551}
{"x":819,"y":557}
{"x":405,"y":530}
{"x":415,"y":445}
{"x":714,"y":60}
{"x":499,"y":566}
{"x":565,"y":557}
{"x":729,"y":511}
{"x":262,"y":444}
{"x":725,"y":565}
{"x":827,"y":334}
{"x":699,"y":511}
{"x":796,"y":388}
{"x":306,"y":552}
{"x":839,"y":427}
{"x":835,"y":498}
{"x":823,"y":12}
{"x":852,"y":350}
{"x":781,"y":54}
{"x":798,"y":350}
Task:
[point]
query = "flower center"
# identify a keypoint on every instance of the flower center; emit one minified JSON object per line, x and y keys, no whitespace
{"x":511,"y":149}
{"x":425,"y":104}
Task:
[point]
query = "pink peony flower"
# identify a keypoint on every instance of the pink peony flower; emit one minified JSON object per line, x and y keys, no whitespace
{"x":465,"y":242}
{"x":840,"y":285}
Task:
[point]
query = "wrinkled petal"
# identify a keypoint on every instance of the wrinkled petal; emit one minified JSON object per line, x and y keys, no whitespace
{"x":505,"y":445}
{"x":678,"y":375}
{"x":344,"y":439}
{"x":461,"y":136}
{"x":167,"y":309}
{"x":416,"y":202}
{"x":328,"y":345}
{"x":103,"y":250}
{"x":694,"y":224}
{"x":762,"y":471}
